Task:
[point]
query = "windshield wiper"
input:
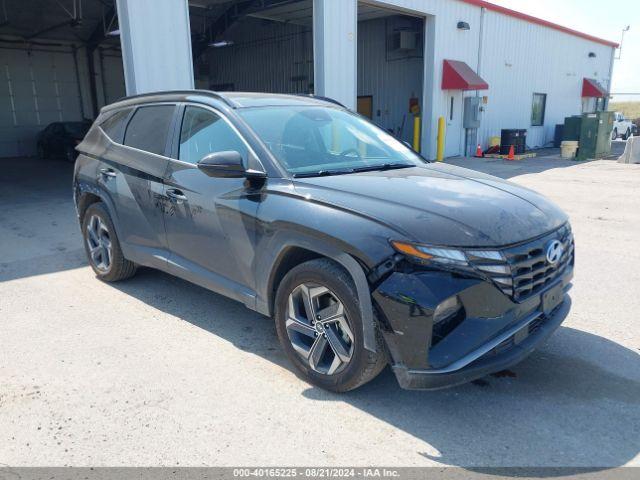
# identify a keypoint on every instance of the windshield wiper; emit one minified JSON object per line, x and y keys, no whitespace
{"x":323,"y":173}
{"x":382,"y":167}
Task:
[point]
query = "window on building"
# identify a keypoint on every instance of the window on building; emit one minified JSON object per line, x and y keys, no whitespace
{"x":537,"y":109}
{"x":149,"y":127}
{"x":203,"y":132}
{"x":114,"y":125}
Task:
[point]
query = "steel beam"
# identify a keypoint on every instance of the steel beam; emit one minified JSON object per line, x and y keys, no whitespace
{"x":156,"y":47}
{"x":335,"y":50}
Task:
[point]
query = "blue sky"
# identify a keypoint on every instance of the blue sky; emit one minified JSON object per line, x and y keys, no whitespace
{"x":602,"y":18}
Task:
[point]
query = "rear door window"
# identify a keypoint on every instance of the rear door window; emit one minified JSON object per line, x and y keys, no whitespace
{"x":114,"y":125}
{"x":149,"y":127}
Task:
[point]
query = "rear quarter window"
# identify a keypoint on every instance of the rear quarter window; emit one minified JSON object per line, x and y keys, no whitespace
{"x":114,"y":125}
{"x":149,"y":127}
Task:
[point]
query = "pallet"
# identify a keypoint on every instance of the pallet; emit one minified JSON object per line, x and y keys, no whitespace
{"x":515,"y":157}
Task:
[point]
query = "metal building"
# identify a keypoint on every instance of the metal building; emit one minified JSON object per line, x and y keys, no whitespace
{"x":479,"y":66}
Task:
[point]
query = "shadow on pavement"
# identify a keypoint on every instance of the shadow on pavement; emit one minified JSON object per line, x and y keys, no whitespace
{"x":565,"y":404}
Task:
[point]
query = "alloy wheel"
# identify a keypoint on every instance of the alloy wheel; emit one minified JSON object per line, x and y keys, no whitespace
{"x":318,"y":328}
{"x":99,"y":243}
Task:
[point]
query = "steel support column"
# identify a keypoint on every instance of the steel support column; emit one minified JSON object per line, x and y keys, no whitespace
{"x":335,"y":50}
{"x":156,"y":45}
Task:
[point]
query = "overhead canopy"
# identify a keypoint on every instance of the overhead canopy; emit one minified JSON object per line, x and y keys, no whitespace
{"x":458,"y":75}
{"x":591,"y":88}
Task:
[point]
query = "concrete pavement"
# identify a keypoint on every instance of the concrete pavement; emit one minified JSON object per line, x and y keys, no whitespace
{"x":156,"y":371}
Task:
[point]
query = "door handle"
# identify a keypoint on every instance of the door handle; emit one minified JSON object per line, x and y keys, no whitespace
{"x":176,"y":195}
{"x":108,"y":172}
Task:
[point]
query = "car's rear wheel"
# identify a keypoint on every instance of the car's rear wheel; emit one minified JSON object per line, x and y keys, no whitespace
{"x":102,"y":246}
{"x":626,"y":135}
{"x":320,"y":328}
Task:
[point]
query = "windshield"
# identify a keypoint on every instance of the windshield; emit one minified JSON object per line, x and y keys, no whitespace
{"x":322,"y":141}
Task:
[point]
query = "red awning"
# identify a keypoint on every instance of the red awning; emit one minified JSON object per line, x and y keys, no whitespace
{"x":591,"y":88}
{"x":458,"y":75}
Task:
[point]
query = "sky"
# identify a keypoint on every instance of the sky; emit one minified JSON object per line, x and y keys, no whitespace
{"x":601,"y":18}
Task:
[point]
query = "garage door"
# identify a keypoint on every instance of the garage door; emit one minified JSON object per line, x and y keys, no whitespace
{"x":36,"y":88}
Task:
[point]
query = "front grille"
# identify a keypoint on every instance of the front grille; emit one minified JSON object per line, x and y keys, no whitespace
{"x":523,"y":270}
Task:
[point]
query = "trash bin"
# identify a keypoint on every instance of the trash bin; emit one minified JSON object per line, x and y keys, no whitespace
{"x":568,"y":149}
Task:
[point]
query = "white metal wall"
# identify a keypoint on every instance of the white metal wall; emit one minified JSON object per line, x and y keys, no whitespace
{"x":390,"y":81}
{"x":267,"y":57}
{"x":542,"y":60}
{"x":521,"y":58}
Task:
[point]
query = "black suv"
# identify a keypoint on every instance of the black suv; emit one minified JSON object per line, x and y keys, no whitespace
{"x":362,"y":251}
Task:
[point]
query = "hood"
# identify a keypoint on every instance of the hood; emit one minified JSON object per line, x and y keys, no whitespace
{"x":440,"y":204}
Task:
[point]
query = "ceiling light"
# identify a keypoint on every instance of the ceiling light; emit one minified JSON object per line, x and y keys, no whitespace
{"x":221,"y":43}
{"x":113,"y":33}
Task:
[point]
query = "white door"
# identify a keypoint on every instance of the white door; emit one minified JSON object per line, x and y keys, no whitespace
{"x":36,"y":88}
{"x":454,"y":137}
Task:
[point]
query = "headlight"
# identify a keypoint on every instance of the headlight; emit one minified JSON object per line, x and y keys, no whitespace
{"x":427,"y":254}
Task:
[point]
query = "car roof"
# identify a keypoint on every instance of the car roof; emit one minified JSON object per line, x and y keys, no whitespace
{"x":235,"y":100}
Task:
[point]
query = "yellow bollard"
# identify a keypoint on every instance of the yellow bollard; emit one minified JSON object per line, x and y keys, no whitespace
{"x":440,"y":153}
{"x":416,"y":133}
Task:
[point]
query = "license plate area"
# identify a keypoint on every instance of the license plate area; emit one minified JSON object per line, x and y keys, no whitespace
{"x":552,"y":298}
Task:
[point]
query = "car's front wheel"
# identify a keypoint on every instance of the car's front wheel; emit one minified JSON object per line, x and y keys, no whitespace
{"x":614,"y":134}
{"x":102,"y":246}
{"x":320,"y":327}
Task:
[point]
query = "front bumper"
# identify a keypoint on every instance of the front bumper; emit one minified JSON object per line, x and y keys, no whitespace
{"x":494,"y":333}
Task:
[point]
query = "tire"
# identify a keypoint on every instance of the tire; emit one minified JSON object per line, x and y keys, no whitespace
{"x":41,"y":152}
{"x":70,"y":154}
{"x":614,"y":134}
{"x":362,"y":365}
{"x":117,"y":267}
{"x":626,"y":135}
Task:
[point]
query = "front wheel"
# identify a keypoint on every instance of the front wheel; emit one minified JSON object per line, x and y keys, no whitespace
{"x":319,"y":325}
{"x":102,"y":246}
{"x":614,"y":134}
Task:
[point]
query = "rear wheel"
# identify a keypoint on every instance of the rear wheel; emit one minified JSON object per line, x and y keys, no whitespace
{"x":320,"y":328}
{"x":102,"y":246}
{"x":626,"y":135}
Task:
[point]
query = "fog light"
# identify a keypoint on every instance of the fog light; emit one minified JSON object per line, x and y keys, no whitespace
{"x":447,"y":309}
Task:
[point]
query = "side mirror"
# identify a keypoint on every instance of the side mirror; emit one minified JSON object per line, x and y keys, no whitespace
{"x":222,"y":164}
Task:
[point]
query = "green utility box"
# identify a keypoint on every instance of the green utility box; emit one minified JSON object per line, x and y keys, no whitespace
{"x":571,"y":130}
{"x":595,"y":135}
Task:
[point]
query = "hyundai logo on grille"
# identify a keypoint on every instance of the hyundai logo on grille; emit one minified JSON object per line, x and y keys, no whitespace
{"x":555,"y":249}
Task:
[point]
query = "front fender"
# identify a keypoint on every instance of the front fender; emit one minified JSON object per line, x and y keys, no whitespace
{"x":283,"y":241}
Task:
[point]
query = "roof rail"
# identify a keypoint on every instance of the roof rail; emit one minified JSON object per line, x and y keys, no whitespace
{"x":209,"y":93}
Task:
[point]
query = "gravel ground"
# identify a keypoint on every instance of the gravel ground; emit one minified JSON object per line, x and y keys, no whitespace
{"x":156,"y":371}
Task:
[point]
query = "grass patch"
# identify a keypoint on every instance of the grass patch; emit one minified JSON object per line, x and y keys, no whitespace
{"x":630,"y":110}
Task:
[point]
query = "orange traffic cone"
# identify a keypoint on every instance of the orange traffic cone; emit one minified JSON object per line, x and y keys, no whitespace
{"x":479,"y":153}
{"x":511,"y":153}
